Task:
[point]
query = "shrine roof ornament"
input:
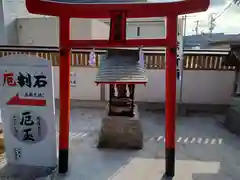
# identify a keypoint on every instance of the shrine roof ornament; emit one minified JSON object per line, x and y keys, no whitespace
{"x":121,"y":67}
{"x":101,"y":8}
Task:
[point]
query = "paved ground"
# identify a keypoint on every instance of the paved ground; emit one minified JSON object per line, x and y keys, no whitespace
{"x":205,"y":150}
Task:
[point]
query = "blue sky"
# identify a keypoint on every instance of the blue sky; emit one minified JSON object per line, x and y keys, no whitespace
{"x":229,"y":22}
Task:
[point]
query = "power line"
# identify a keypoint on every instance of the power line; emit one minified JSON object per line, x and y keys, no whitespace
{"x":215,"y":16}
{"x":212,"y":18}
{"x":224,"y":10}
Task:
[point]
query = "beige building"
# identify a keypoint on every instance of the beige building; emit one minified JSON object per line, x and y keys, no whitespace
{"x":43,"y":31}
{"x":144,"y":27}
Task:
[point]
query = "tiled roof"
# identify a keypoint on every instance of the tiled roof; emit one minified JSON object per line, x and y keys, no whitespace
{"x":235,"y":40}
{"x":121,"y":66}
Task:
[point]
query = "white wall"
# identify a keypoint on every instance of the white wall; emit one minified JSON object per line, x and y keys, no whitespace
{"x":37,"y":31}
{"x":3,"y":36}
{"x":80,"y":28}
{"x":13,"y":9}
{"x":41,"y":31}
{"x":199,"y":87}
{"x":149,"y":27}
{"x":208,"y":87}
{"x":10,"y":10}
{"x":146,"y":30}
{"x":99,"y":30}
{"x":85,"y":89}
{"x":154,"y":91}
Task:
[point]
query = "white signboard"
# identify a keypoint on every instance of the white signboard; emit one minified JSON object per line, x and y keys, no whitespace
{"x":179,"y":47}
{"x":73,"y":79}
{"x":28,"y":110}
{"x":180,"y":56}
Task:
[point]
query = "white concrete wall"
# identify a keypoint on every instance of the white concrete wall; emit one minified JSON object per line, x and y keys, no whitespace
{"x":80,"y":28}
{"x":208,"y":87}
{"x":41,"y":31}
{"x":3,"y":35}
{"x":154,"y":91}
{"x":99,"y":30}
{"x":199,"y":87}
{"x":37,"y":31}
{"x":8,"y":15}
{"x":85,"y":89}
{"x":149,"y":27}
{"x":10,"y":10}
{"x":146,"y":30}
{"x":13,"y":9}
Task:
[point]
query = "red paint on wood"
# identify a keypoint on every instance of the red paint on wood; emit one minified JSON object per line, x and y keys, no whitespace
{"x":64,"y":89}
{"x":171,"y":67}
{"x":134,"y":10}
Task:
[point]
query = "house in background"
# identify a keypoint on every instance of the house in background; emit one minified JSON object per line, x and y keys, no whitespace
{"x":10,"y":11}
{"x":144,"y":27}
{"x":203,"y":41}
{"x":18,"y":27}
{"x":226,"y":43}
{"x":44,"y":31}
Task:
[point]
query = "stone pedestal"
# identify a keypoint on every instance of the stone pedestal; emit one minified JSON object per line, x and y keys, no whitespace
{"x":119,"y":132}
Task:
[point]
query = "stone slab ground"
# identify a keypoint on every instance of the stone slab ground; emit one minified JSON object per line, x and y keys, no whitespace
{"x":205,"y":150}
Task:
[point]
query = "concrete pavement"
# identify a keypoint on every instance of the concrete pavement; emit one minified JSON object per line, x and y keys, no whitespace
{"x":205,"y":150}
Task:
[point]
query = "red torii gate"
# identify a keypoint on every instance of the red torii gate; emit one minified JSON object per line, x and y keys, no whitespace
{"x":65,"y":11}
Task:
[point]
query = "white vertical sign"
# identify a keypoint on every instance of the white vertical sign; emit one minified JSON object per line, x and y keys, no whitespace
{"x":73,"y":79}
{"x":28,"y":110}
{"x":180,"y":57}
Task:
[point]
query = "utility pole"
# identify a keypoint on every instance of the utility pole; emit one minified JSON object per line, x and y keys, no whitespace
{"x":214,"y":16}
{"x":185,"y":25}
{"x":197,"y":27}
{"x":212,"y":23}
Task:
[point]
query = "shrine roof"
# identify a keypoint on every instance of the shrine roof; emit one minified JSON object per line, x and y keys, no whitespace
{"x":121,"y":66}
